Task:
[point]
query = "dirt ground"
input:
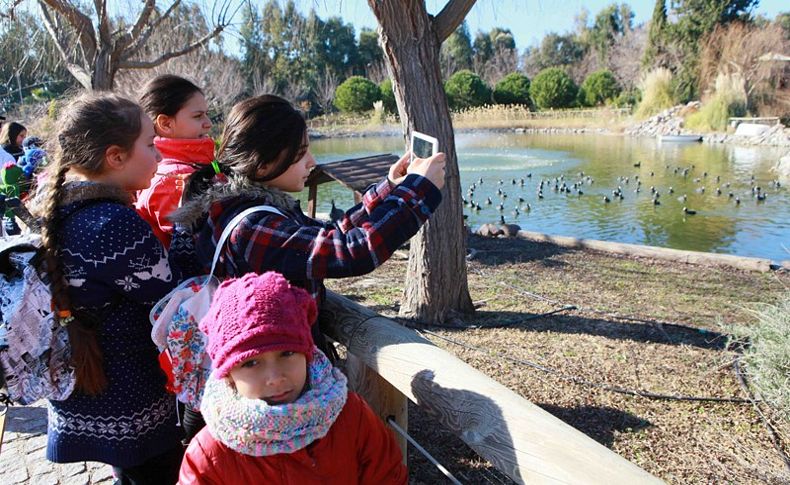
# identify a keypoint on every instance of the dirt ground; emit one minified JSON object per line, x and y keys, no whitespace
{"x":640,"y":324}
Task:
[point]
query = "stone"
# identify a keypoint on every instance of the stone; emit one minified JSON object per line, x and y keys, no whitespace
{"x":71,"y":469}
{"x":489,"y":230}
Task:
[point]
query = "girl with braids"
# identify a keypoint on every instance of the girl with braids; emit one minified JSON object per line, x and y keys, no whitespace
{"x":264,"y":155}
{"x":107,"y":269}
{"x":179,"y":111}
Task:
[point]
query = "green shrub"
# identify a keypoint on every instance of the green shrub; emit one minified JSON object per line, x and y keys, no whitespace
{"x":599,"y":88}
{"x":356,"y":94}
{"x":627,"y":98}
{"x":729,"y":99}
{"x":658,"y":93}
{"x":766,"y":353}
{"x":553,"y":88}
{"x":388,"y":96}
{"x":465,"y":89}
{"x":512,"y":89}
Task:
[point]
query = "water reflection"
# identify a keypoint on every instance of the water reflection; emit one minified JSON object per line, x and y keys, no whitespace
{"x":601,"y":163}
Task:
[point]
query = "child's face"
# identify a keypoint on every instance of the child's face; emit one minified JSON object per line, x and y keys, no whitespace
{"x":138,"y":166}
{"x":191,"y":121}
{"x":20,"y":138}
{"x":276,"y":376}
{"x":293,"y":179}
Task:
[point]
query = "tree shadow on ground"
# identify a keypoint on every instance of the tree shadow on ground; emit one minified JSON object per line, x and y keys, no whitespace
{"x":599,"y":423}
{"x":476,"y":418}
{"x":491,"y":251}
{"x":26,"y":419}
{"x":638,"y":331}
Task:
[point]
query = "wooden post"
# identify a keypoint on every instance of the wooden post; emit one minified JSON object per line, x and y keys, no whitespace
{"x":312,"y":196}
{"x":522,"y":440}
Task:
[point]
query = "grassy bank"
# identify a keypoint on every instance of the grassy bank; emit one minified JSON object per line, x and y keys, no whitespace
{"x":640,"y":324}
{"x":482,"y":118}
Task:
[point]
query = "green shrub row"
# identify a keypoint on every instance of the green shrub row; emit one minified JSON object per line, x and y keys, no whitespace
{"x":552,"y":88}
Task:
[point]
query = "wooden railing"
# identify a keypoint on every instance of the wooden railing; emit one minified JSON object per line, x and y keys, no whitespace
{"x":520,"y":439}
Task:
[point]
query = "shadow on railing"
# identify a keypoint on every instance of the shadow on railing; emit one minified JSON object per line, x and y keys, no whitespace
{"x":389,"y":363}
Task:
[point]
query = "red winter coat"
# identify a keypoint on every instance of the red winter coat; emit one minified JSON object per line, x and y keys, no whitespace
{"x":358,"y":449}
{"x":179,"y":159}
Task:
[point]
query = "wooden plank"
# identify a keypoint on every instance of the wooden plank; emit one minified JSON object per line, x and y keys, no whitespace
{"x":312,"y":196}
{"x":520,"y":439}
{"x":678,"y":255}
{"x":356,"y":173}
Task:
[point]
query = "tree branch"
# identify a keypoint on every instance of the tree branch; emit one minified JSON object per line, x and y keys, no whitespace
{"x":104,"y":23}
{"x":82,"y":24}
{"x":79,"y":72}
{"x":126,"y":64}
{"x":451,"y":17}
{"x":141,"y":37}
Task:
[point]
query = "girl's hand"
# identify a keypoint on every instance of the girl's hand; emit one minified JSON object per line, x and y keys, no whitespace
{"x":397,"y":171}
{"x":431,"y":168}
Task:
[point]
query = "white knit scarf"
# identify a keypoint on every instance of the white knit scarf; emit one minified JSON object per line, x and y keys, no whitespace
{"x":253,"y":427}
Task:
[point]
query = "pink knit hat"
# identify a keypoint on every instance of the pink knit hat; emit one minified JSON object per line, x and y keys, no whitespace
{"x":254,"y":314}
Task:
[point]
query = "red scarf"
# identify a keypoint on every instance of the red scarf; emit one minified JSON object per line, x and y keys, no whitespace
{"x":188,"y":150}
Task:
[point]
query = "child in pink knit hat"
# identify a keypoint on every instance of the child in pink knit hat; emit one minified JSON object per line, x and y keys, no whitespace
{"x":276,"y":409}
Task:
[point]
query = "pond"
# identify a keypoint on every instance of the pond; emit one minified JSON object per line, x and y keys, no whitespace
{"x":683,"y":174}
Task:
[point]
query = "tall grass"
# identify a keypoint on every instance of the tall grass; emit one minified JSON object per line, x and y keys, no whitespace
{"x":658,"y":93}
{"x":728,"y":99}
{"x":767,"y":353}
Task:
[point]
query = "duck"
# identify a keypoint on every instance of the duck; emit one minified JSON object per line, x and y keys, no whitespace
{"x":761,"y":197}
{"x":682,"y":198}
{"x":529,"y":175}
{"x":737,"y":201}
{"x":528,"y":208}
{"x":502,"y":219}
{"x":335,"y":214}
{"x":638,"y":164}
{"x":655,"y":201}
{"x":488,"y":201}
{"x":540,"y":194}
{"x":718,"y":190}
{"x":688,"y":211}
{"x":500,"y":207}
{"x":671,"y":190}
{"x":606,"y":199}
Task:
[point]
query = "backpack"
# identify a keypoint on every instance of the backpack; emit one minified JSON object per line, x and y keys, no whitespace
{"x":35,"y":356}
{"x":175,"y":320}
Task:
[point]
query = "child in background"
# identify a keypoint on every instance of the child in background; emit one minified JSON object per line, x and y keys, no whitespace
{"x":107,"y":269}
{"x":11,"y":136}
{"x":276,"y":409}
{"x":179,"y":111}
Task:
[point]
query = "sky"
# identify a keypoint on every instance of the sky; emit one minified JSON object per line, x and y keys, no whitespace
{"x":529,"y":20}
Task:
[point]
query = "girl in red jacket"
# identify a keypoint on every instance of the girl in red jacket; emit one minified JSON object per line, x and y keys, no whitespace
{"x":276,"y":409}
{"x":179,"y":111}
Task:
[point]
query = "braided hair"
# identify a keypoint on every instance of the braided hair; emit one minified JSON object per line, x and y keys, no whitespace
{"x":90,"y":124}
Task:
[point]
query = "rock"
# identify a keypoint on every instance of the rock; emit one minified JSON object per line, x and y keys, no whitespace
{"x":510,"y":230}
{"x":489,"y":230}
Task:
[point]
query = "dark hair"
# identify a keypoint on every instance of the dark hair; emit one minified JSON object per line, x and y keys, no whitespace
{"x":90,"y":125}
{"x":259,"y":132}
{"x":166,"y":95}
{"x":9,"y":132}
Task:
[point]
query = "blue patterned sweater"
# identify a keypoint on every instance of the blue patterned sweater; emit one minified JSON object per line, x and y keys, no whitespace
{"x":116,"y":269}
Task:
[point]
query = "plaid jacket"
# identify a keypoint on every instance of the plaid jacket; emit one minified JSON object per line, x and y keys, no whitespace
{"x":306,"y":250}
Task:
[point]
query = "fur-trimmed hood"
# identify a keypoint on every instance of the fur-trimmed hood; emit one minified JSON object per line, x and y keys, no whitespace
{"x":77,"y":191}
{"x":237,"y":186}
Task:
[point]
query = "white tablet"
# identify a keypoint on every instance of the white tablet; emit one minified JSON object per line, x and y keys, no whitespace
{"x":422,"y":145}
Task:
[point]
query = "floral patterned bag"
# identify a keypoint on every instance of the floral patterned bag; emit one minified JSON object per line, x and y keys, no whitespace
{"x":175,"y":321}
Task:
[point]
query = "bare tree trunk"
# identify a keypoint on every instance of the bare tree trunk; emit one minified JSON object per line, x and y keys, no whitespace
{"x":104,"y":72}
{"x":436,"y":283}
